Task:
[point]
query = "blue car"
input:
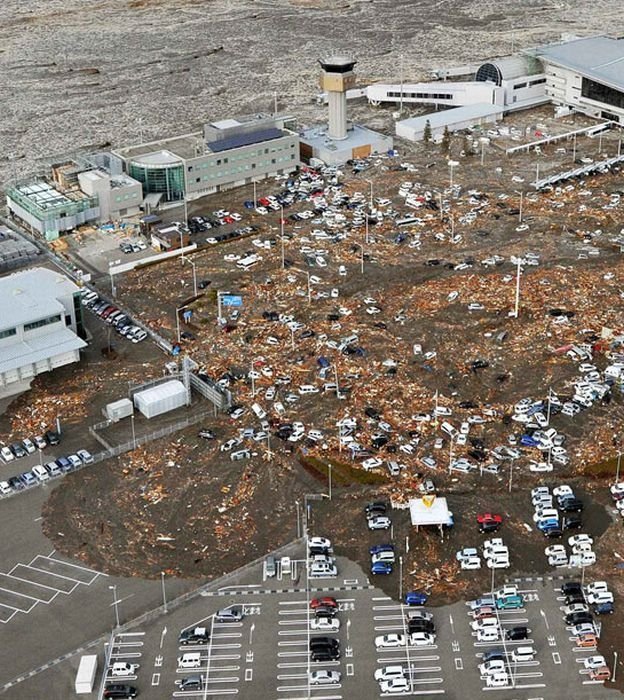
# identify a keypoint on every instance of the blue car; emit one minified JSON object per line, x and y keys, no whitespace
{"x":604,"y":609}
{"x":249,"y":204}
{"x":550,"y":524}
{"x":378,"y":548}
{"x":381,"y":567}
{"x":529,"y":441}
{"x":415,"y":598}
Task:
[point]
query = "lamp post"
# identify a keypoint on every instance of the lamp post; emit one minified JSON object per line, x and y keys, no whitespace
{"x":452,"y":164}
{"x":133,"y":433}
{"x":370,"y":182}
{"x":329,"y":476}
{"x":113,"y":588}
{"x":361,"y":247}
{"x":164,"y":595}
{"x":253,"y":385}
{"x":112,"y":281}
{"x":400,"y":578}
{"x":617,"y":468}
{"x":282,"y":234}
{"x":521,"y":193}
{"x":180,"y":308}
{"x":298,"y":520}
{"x":305,"y":272}
{"x":517,"y":302}
{"x":194,"y":265}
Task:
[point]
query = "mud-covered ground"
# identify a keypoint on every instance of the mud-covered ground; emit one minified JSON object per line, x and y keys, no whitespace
{"x":80,"y":77}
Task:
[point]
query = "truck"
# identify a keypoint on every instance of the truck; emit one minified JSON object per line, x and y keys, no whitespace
{"x":85,"y":677}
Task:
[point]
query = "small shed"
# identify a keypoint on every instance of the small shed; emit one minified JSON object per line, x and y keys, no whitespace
{"x":161,"y":398}
{"x":430,"y":510}
{"x":119,"y":409}
{"x":452,"y":119}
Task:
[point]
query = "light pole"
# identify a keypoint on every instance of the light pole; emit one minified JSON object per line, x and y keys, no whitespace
{"x":615,"y":659}
{"x":451,"y":454}
{"x":521,"y":193}
{"x":305,"y":272}
{"x":452,"y":164}
{"x":180,"y":308}
{"x":517,"y":302}
{"x":133,"y":433}
{"x":298,"y":520}
{"x":162,"y":582}
{"x":329,"y":468}
{"x":400,"y":578}
{"x":194,"y":265}
{"x":253,"y":384}
{"x":113,"y":588}
{"x":361,"y":247}
{"x":510,"y":474}
{"x":255,"y":195}
{"x":370,"y":182}
{"x":112,"y":281}
{"x":282,"y":234}
{"x":617,"y":468}
{"x":366,"y":229}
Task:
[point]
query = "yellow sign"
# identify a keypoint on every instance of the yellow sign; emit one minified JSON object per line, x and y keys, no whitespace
{"x":428,"y":501}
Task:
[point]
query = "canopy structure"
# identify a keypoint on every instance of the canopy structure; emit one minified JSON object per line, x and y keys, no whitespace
{"x":430,"y":510}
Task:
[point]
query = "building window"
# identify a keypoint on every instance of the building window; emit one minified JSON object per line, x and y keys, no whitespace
{"x":198,"y":179}
{"x":519,"y":86}
{"x":190,"y":168}
{"x":602,"y":93}
{"x":7,"y":333}
{"x":43,"y":322}
{"x":225,"y":160}
{"x":219,"y":162}
{"x":273,"y":161}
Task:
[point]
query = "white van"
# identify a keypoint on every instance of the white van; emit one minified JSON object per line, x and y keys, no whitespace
{"x":53,"y":469}
{"x":258,"y":410}
{"x":523,"y":654}
{"x":286,"y":565}
{"x":240,"y":454}
{"x":279,"y":408}
{"x":40,"y":473}
{"x":248,"y":262}
{"x":122,"y":669}
{"x":383,"y":556}
{"x":450,"y":430}
{"x":189,"y":660}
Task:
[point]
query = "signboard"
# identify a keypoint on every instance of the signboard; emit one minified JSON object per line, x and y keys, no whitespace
{"x":232,"y":300}
{"x":428,"y":501}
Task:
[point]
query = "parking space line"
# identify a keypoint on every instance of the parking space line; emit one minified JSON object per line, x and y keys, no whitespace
{"x":58,"y":582}
{"x":155,"y":679}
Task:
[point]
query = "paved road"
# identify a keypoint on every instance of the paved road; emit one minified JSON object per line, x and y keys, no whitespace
{"x":50,"y":605}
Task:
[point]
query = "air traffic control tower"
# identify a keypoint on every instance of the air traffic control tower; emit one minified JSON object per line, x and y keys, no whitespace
{"x":340,"y":140}
{"x":336,"y":79}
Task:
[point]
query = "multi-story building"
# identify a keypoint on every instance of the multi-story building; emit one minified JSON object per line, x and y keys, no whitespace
{"x":225,"y":154}
{"x":586,"y":75}
{"x":40,"y":326}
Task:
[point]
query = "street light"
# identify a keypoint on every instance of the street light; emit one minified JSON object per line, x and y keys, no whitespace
{"x":400,"y":578}
{"x":180,"y":308}
{"x":517,"y":302}
{"x":282,"y":234}
{"x":617,"y":469}
{"x":112,"y":281}
{"x":298,"y":520}
{"x":361,"y":247}
{"x":133,"y":433}
{"x":162,"y":582}
{"x":521,"y":193}
{"x":194,"y":265}
{"x":452,"y":164}
{"x":304,"y":272}
{"x":329,"y":467}
{"x":370,"y":182}
{"x":113,"y":588}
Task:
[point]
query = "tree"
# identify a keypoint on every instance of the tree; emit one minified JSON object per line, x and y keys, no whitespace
{"x":446,"y":140}
{"x":467,"y":147}
{"x":427,"y":132}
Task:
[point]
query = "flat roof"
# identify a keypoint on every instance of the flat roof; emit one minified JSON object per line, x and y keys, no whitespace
{"x":456,"y":115}
{"x":356,"y":136}
{"x":31,"y":295}
{"x":600,"y":58}
{"x":429,"y":510}
{"x":39,"y":348}
{"x":240,"y":140}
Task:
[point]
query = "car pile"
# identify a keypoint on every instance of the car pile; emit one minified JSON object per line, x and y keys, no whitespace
{"x":578,"y":617}
{"x":376,"y":517}
{"x":382,"y":558}
{"x":117,"y":319}
{"x":555,"y":512}
{"x":321,"y":563}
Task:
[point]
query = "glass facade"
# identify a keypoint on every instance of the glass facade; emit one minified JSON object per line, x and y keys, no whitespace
{"x":163,"y":179}
{"x":602,"y":93}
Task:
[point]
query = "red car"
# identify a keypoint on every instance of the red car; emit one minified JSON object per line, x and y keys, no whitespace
{"x":489,"y":519}
{"x":327,"y":602}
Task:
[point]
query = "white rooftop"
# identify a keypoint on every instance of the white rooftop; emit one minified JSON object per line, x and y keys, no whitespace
{"x":159,"y":392}
{"x":600,"y":58}
{"x":31,"y":295}
{"x":429,"y":510}
{"x":39,"y":348}
{"x":225,"y":123}
{"x":457,"y":115}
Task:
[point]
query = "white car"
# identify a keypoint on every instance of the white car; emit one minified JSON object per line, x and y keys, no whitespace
{"x":470,"y":563}
{"x":85,"y":456}
{"x":507,"y":590}
{"x":388,"y":673}
{"x":563,"y":490}
{"x":6,"y":454}
{"x":555,"y":550}
{"x":545,"y":514}
{"x":540,"y":467}
{"x":325,"y":624}
{"x":599,"y":597}
{"x":5,"y":489}
{"x":597,"y":587}
{"x":540,"y":491}
{"x":575,"y":608}
{"x":583,"y":559}
{"x":324,"y":677}
{"x":617,"y":490}
{"x":490,"y":667}
{"x":466,"y":553}
{"x":577,"y":539}
{"x":497,"y":680}
{"x":421,"y":639}
{"x":323,"y":542}
{"x":484,"y":623}
{"x":498,"y":563}
{"x":379,"y":522}
{"x":28,"y":445}
{"x":390,"y":641}
{"x":395,"y":686}
{"x":488,"y":634}
{"x":372,"y":463}
{"x":596,"y":661}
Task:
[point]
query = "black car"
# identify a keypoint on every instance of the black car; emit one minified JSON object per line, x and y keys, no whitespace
{"x":195,"y":635}
{"x":421,"y":626}
{"x":554,"y":533}
{"x":376,"y":508}
{"x":572,"y":522}
{"x":571,"y":505}
{"x":52,"y":437}
{"x":324,"y":654}
{"x":571,"y":587}
{"x":489,"y":526}
{"x":324,"y":643}
{"x":120,"y":690}
{"x":325,"y":611}
{"x":372,"y":412}
{"x":18,"y":450}
{"x":16,"y":483}
{"x":517,"y":633}
{"x":206,"y":434}
{"x":579,"y":618}
{"x":494,"y":655}
{"x":379,"y":441}
{"x":575,"y":598}
{"x":318,"y":551}
{"x":203,"y":284}
{"x":192,"y":683}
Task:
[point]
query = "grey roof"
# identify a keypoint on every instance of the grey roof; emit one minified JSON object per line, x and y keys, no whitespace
{"x":457,"y":115}
{"x":239,"y":140}
{"x":600,"y":58}
{"x":32,"y":295}
{"x":39,"y":348}
{"x":512,"y":67}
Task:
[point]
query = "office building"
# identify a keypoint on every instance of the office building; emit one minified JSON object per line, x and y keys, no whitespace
{"x":40,"y":326}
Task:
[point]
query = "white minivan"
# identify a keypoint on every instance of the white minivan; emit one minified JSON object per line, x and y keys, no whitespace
{"x":189,"y":660}
{"x":258,"y":410}
{"x":40,"y":473}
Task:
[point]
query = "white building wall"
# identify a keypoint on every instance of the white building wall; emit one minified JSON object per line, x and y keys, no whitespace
{"x":440,"y":93}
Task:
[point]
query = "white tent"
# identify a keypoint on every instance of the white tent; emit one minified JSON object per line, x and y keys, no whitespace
{"x":430,"y":510}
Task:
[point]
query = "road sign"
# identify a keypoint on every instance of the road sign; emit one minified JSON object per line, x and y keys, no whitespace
{"x":232,"y":300}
